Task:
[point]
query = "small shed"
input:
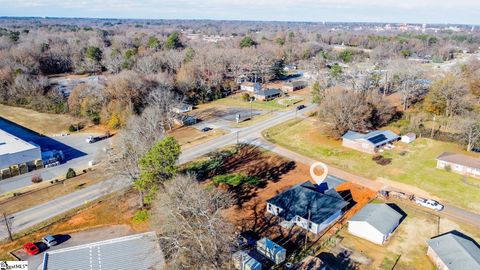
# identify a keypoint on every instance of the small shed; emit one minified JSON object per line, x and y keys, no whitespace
{"x":271,"y":250}
{"x":409,"y":137}
{"x":243,"y":261}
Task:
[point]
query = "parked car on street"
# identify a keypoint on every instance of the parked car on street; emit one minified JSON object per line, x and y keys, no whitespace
{"x":432,"y":204}
{"x":206,"y":129}
{"x":31,"y":248}
{"x":49,"y":241}
{"x":300,"y":107}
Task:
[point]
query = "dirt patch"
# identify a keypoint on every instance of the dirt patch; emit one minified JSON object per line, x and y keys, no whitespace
{"x":189,"y":136}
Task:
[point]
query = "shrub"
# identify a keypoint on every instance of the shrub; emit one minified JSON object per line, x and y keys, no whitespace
{"x":246,"y":97}
{"x":71,"y":173}
{"x":448,"y":168}
{"x":36,"y":178}
{"x":141,"y":216}
{"x":235,"y":180}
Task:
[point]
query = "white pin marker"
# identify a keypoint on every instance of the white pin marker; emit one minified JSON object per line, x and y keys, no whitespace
{"x":318,"y":178}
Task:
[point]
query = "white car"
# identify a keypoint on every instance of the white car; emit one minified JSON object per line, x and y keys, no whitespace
{"x":432,"y":204}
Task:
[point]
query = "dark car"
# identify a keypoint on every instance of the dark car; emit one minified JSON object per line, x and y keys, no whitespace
{"x":300,"y":107}
{"x":205,"y":129}
{"x":31,"y":248}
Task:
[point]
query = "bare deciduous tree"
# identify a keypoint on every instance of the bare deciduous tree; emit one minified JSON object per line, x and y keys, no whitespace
{"x":193,"y":232}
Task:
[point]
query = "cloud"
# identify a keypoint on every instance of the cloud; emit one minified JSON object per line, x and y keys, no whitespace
{"x":351,"y":10}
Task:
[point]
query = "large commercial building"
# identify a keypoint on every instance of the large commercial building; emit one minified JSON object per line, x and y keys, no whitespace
{"x":17,"y":156}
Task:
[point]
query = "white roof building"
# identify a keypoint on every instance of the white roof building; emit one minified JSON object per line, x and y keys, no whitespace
{"x":14,"y":151}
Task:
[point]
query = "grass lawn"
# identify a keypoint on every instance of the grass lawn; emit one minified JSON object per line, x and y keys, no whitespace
{"x":47,"y":192}
{"x":408,"y":243}
{"x":412,"y":164}
{"x":189,"y":136}
{"x":237,"y":101}
{"x":44,"y":123}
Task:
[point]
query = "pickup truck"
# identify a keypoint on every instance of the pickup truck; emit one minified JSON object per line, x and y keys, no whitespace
{"x":432,"y":204}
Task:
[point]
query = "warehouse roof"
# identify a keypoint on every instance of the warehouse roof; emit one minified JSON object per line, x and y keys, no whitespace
{"x":308,"y":201}
{"x":10,"y":144}
{"x":455,"y":251}
{"x":139,"y":251}
{"x":379,"y":215}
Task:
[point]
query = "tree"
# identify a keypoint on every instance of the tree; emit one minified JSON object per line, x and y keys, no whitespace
{"x":157,"y":166}
{"x":93,"y":53}
{"x":447,"y":96}
{"x":276,"y":69}
{"x":468,"y":126}
{"x":353,"y":110}
{"x":247,"y":42}
{"x":194,"y":233}
{"x":336,"y":70}
{"x":153,"y":43}
{"x":317,"y":92}
{"x":173,"y":41}
{"x":280,"y":41}
{"x":346,"y":56}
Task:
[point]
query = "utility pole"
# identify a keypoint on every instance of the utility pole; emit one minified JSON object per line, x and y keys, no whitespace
{"x":8,"y":226}
{"x":433,"y":127}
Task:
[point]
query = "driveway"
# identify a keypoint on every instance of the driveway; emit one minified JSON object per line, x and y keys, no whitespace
{"x":75,"y":239}
{"x":224,"y":118}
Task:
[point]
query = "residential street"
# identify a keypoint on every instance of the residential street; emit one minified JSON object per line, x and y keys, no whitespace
{"x":252,"y":135}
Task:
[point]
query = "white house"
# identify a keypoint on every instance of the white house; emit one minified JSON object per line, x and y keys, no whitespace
{"x":459,"y":163}
{"x":250,"y":87}
{"x":409,"y":137}
{"x":375,"y":222}
{"x":307,"y":206}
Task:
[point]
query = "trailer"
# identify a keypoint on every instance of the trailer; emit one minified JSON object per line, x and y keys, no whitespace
{"x":94,"y":139}
{"x":271,"y":250}
{"x":243,"y":261}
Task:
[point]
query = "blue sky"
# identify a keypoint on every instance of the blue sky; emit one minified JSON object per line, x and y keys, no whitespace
{"x":417,"y":11}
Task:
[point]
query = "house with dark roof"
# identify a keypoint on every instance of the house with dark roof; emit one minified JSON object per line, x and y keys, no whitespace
{"x":293,"y":86}
{"x":454,"y":251}
{"x":370,"y":142}
{"x":250,"y":87}
{"x":308,"y":206}
{"x":375,"y":222}
{"x":138,"y":251}
{"x":267,"y":94}
{"x":459,"y":163}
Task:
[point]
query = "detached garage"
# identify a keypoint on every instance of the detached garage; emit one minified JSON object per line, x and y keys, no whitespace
{"x":375,"y":222}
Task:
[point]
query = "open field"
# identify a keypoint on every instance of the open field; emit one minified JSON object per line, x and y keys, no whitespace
{"x":43,"y":123}
{"x":189,"y":136}
{"x":407,"y":244}
{"x":46,"y":191}
{"x":413,"y":164}
{"x":113,"y":210}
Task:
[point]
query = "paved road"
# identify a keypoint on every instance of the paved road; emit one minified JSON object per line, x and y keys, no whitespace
{"x":252,"y":135}
{"x":80,"y":162}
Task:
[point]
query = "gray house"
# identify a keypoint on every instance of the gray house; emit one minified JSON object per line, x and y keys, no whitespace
{"x":370,"y":142}
{"x":307,"y":206}
{"x":375,"y":222}
{"x":451,"y":251}
{"x":267,"y":94}
{"x":458,"y":163}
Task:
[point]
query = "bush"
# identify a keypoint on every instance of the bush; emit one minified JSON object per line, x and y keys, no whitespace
{"x":235,"y":180}
{"x":141,"y":216}
{"x":71,"y":173}
{"x":36,"y":178}
{"x":246,"y":97}
{"x":448,"y":168}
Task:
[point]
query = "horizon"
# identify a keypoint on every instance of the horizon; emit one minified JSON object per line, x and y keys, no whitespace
{"x":464,"y":12}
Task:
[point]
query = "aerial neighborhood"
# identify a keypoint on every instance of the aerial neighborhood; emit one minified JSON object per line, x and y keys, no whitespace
{"x":131,"y":141}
